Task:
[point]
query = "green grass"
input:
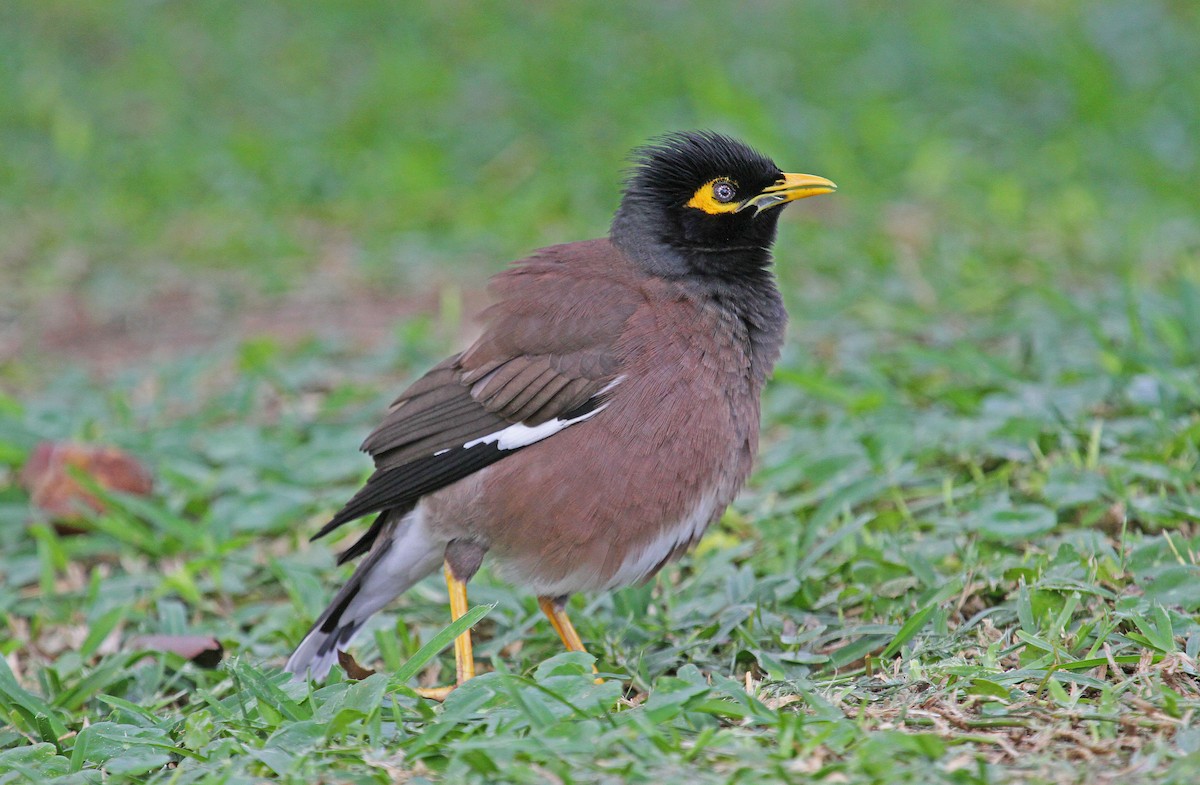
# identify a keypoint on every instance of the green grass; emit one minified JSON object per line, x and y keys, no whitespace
{"x":969,"y":554}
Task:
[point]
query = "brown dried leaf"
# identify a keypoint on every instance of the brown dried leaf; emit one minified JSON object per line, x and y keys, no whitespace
{"x":202,"y":650}
{"x":52,"y":488}
{"x":352,"y":668}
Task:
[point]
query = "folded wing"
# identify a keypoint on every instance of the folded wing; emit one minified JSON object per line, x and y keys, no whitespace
{"x":545,"y":363}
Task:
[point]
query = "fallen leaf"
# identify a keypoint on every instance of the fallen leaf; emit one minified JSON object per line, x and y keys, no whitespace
{"x":52,"y":488}
{"x":202,"y":650}
{"x":352,"y":668}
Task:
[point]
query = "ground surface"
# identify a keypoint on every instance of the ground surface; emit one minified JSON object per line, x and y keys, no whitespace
{"x":229,"y":234}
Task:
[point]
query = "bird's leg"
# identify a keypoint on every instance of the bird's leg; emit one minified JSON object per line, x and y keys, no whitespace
{"x":464,"y":656}
{"x":556,"y":611}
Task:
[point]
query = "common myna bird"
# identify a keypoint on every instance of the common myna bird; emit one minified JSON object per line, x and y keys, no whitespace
{"x":608,"y":414}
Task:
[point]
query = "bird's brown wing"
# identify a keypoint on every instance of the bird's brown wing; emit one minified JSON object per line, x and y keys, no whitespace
{"x":542,"y":364}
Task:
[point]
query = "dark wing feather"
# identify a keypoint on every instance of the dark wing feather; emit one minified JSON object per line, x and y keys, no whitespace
{"x":388,"y":488}
{"x":547,"y":353}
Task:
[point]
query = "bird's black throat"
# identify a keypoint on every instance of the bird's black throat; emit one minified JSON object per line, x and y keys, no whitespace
{"x":736,"y":279}
{"x":660,"y":246}
{"x":753,"y":298}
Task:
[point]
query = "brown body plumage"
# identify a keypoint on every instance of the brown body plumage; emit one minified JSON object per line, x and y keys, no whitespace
{"x":606,"y":416}
{"x":684,"y":401}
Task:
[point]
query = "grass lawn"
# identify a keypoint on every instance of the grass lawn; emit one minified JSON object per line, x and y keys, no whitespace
{"x":970,"y":553}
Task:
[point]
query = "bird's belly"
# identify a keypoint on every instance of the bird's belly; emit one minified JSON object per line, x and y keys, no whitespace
{"x":605,"y":563}
{"x":598,"y":520}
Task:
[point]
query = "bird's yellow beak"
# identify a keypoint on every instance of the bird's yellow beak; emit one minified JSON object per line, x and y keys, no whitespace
{"x":788,"y":189}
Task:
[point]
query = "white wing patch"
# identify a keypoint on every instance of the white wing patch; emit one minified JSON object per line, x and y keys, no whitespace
{"x":521,"y":435}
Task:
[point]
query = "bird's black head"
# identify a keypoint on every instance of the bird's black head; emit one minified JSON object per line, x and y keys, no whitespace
{"x":699,"y":203}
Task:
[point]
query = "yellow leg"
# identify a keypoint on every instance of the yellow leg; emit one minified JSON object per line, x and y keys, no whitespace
{"x":464,"y":656}
{"x":561,"y":623}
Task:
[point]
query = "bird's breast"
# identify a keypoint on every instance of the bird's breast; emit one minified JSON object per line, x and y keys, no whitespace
{"x":607,"y":502}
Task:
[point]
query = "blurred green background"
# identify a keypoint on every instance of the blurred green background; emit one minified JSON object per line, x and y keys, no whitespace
{"x":149,"y":145}
{"x":975,"y":509}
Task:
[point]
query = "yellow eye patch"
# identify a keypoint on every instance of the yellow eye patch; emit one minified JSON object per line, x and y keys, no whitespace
{"x":706,"y":199}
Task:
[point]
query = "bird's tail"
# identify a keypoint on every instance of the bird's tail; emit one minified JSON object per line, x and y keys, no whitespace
{"x":403,"y":553}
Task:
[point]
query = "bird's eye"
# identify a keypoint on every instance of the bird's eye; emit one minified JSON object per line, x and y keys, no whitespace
{"x":715,"y":197}
{"x":724,"y":191}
